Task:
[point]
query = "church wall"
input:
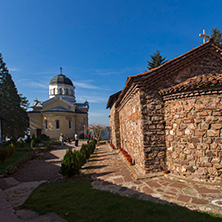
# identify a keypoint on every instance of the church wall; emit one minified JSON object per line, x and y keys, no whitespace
{"x":63,"y":118}
{"x":131,"y":136}
{"x":114,"y":124}
{"x":82,"y":124}
{"x":35,"y":122}
{"x":194,"y":137}
{"x":153,"y":109}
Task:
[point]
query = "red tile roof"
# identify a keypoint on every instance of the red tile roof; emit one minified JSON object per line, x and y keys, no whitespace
{"x":152,"y":74}
{"x":200,"y":81}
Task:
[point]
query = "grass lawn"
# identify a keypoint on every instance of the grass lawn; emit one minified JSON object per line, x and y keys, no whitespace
{"x":75,"y":200}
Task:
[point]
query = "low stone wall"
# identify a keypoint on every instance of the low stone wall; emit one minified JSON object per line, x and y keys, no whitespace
{"x":194,"y":137}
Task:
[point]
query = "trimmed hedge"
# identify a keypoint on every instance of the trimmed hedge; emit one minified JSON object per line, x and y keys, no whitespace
{"x":73,"y":160}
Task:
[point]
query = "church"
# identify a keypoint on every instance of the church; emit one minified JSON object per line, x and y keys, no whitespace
{"x":60,"y":113}
{"x":169,"y":119}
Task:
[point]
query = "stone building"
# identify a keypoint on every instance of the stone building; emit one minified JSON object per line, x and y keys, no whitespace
{"x":60,"y":113}
{"x":170,"y":117}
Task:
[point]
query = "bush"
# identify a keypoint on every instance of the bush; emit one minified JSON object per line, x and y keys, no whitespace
{"x":73,"y":160}
{"x":43,"y":137}
{"x":21,"y":143}
{"x":32,"y":144}
{"x":28,"y":139}
{"x":71,"y":163}
{"x":81,"y":136}
{"x":6,"y":152}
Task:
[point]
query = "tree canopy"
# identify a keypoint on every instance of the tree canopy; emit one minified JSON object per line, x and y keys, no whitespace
{"x":156,"y":60}
{"x":15,"y":117}
{"x":216,"y":34}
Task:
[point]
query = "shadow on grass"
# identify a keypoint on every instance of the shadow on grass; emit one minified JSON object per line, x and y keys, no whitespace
{"x":76,"y":200}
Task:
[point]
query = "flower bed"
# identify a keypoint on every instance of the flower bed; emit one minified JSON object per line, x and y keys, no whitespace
{"x":126,"y":155}
{"x":110,"y":144}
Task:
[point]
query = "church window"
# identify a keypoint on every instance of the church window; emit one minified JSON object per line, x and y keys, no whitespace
{"x":53,"y":91}
{"x":66,"y":91}
{"x":57,"y":124}
{"x":46,"y":124}
{"x":60,"y":91}
{"x":70,"y":124}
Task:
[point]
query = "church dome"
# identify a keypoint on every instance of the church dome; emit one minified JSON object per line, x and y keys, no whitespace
{"x":61,"y":79}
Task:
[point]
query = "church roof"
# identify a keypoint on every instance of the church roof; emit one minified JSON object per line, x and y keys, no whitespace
{"x":62,"y":109}
{"x":59,"y":109}
{"x":176,"y":64}
{"x":112,"y":99}
{"x":196,"y":82}
{"x":61,"y":79}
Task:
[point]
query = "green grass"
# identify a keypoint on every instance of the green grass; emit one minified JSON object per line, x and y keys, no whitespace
{"x":75,"y":200}
{"x":16,"y":159}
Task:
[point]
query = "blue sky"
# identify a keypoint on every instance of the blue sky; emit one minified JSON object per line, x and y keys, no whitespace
{"x":97,"y":42}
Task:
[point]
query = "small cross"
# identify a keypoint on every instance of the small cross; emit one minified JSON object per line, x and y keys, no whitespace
{"x":60,"y":69}
{"x":204,"y":35}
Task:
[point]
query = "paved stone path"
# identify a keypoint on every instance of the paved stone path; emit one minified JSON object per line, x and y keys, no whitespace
{"x":111,"y":172}
{"x":15,"y":189}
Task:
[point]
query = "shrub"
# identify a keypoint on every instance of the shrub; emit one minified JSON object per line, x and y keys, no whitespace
{"x":81,"y":136}
{"x":32,"y":144}
{"x":6,"y":152}
{"x":28,"y":139}
{"x":71,"y":163}
{"x":73,"y":160}
{"x":21,"y":143}
{"x":43,"y":137}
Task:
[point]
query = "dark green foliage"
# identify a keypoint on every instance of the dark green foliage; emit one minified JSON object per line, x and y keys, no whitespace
{"x":32,"y":144}
{"x":15,"y":117}
{"x":73,"y":160}
{"x":28,"y":139}
{"x":216,"y":34}
{"x":156,"y":60}
{"x":24,"y":103}
{"x":21,"y":143}
{"x":44,"y":137}
{"x":6,"y":152}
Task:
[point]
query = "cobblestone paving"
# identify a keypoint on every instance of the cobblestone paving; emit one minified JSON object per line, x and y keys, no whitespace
{"x":110,"y":172}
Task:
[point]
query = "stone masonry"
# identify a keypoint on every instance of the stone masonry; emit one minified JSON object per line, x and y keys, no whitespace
{"x":143,"y":125}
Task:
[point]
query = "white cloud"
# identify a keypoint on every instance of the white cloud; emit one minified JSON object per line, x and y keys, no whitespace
{"x":38,"y":85}
{"x":85,"y":85}
{"x":92,"y":99}
{"x":13,"y":69}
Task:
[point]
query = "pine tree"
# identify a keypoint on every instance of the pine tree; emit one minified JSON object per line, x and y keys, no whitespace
{"x":156,"y":60}
{"x":216,"y":34}
{"x":16,"y":118}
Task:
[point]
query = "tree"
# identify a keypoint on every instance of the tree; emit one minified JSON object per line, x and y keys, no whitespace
{"x":216,"y":34}
{"x":16,"y":118}
{"x":156,"y":60}
{"x":96,"y":131}
{"x":24,"y":103}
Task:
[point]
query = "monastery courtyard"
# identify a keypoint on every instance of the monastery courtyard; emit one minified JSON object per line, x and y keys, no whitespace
{"x":109,"y":171}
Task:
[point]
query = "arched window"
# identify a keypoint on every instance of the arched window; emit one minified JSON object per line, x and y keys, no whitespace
{"x":66,"y":91}
{"x":70,"y":124}
{"x":53,"y":91}
{"x":60,"y":91}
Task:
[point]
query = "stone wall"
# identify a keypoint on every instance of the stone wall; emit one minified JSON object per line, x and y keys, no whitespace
{"x":114,"y":124}
{"x":194,"y":137}
{"x":153,"y":107}
{"x":131,"y":134}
